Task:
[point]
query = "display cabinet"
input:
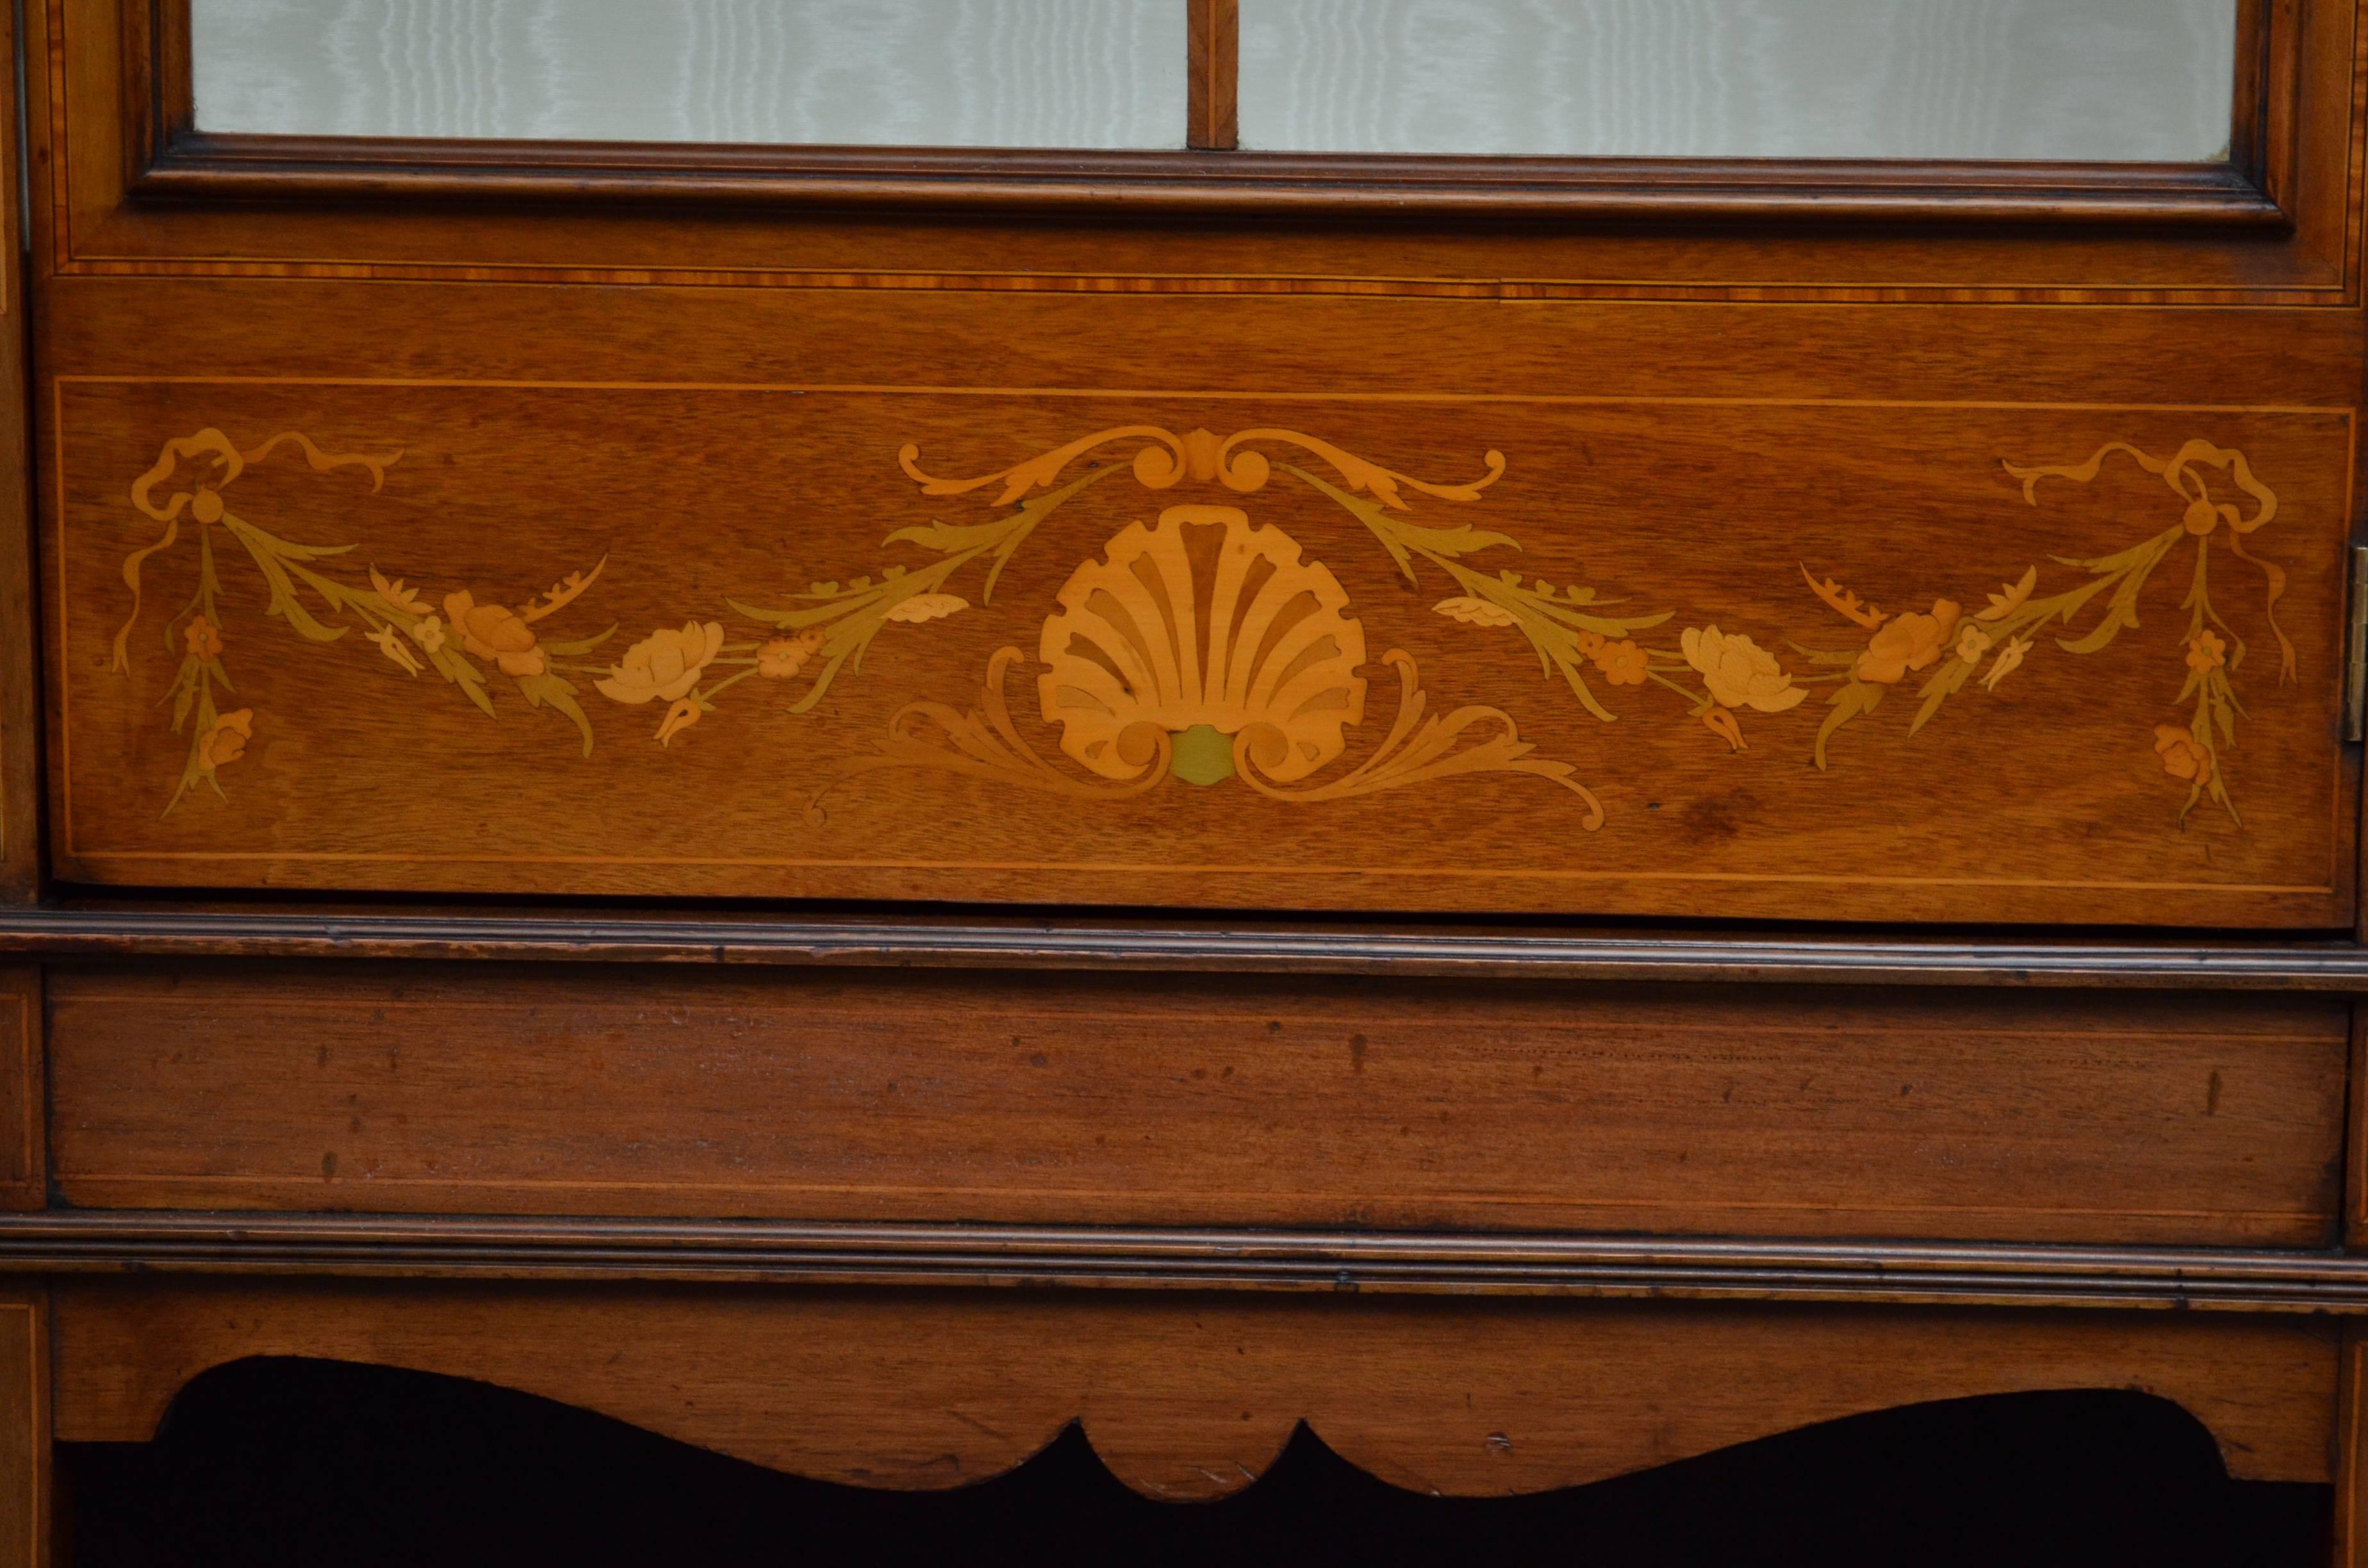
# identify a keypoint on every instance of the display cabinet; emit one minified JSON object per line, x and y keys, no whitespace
{"x":967,"y":716}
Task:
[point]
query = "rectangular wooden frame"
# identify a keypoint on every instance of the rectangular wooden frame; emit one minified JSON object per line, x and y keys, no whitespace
{"x":25,"y":1484}
{"x":171,"y":157}
{"x":130,"y":196}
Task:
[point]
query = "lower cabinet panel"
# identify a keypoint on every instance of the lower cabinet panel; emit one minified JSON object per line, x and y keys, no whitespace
{"x":24,"y":1426}
{"x":1186,"y":1099}
{"x":1188,"y":1395}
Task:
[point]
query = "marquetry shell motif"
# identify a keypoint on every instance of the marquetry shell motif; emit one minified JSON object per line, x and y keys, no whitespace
{"x":1208,"y":630}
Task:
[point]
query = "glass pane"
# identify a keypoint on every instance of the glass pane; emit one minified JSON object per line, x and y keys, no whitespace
{"x":1080,"y":73}
{"x":2088,"y":80}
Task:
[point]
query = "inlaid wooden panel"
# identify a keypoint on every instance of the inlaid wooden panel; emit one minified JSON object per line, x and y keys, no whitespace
{"x":24,"y":1428}
{"x":2355,"y":1218}
{"x":2350,"y":1531}
{"x":1171,"y":1100}
{"x":23,"y":1167}
{"x":1191,"y":1397}
{"x":1797,"y":659}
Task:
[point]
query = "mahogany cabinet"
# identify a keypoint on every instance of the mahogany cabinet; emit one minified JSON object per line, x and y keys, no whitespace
{"x":1548,"y":812}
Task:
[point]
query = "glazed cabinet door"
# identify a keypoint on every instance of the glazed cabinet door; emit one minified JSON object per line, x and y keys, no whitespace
{"x":1946,"y":519}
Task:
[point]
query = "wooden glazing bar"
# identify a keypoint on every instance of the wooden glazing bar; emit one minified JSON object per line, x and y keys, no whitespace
{"x":1215,"y":79}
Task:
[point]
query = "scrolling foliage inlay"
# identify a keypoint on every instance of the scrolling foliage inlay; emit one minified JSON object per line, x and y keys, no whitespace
{"x":1204,"y":647}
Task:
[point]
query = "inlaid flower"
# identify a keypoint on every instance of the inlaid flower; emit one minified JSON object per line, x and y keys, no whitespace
{"x":2010,"y":660}
{"x":1738,"y":673}
{"x":390,"y":642}
{"x":429,"y":632}
{"x":2207,"y":651}
{"x":1623,"y":663}
{"x":203,"y":637}
{"x":783,"y":657}
{"x":1908,"y":643}
{"x":496,"y":632}
{"x":1974,"y":643}
{"x":226,"y":742}
{"x":680,"y":717}
{"x":664,"y":665}
{"x":2183,"y":757}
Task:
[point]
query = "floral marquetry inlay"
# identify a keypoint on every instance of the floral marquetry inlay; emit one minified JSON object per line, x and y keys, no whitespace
{"x":1204,"y":648}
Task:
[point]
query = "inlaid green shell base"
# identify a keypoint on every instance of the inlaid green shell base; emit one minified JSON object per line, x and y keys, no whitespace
{"x":1203,"y":756}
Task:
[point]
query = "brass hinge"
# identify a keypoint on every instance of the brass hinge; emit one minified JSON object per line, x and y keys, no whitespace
{"x":2355,"y":651}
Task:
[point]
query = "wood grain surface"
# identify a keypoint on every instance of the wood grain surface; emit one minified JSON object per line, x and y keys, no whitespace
{"x":2044,"y":792}
{"x":1213,"y":77}
{"x":21,"y":857}
{"x":24,"y":1112}
{"x":1191,"y":1397}
{"x":2351,"y":1520}
{"x":1167,"y":1101}
{"x":24,"y":1521}
{"x":2355,"y":1163}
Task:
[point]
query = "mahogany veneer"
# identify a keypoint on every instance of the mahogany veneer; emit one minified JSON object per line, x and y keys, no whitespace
{"x":823,"y":1097}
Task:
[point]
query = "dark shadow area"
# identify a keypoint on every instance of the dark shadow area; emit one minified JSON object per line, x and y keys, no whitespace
{"x":309,"y":1463}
